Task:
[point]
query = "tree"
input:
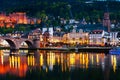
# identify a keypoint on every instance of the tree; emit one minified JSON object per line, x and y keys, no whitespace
{"x":21,"y":28}
{"x":41,"y":15}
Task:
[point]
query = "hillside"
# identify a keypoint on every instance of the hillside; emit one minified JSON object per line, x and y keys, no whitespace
{"x":63,"y":8}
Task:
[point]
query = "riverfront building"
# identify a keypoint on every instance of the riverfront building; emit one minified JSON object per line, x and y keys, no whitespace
{"x":96,"y":37}
{"x":76,"y":37}
{"x":113,"y":38}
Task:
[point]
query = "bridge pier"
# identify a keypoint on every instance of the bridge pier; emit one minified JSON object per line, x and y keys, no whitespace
{"x":36,"y":43}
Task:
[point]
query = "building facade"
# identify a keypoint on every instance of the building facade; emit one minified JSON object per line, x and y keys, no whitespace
{"x":76,"y":37}
{"x":113,"y":38}
{"x":96,"y":37}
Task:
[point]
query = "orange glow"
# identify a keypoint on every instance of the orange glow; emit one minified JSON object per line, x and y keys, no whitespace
{"x":14,"y":66}
{"x":39,"y":21}
{"x":16,"y":18}
{"x":22,"y":70}
{"x":4,"y":69}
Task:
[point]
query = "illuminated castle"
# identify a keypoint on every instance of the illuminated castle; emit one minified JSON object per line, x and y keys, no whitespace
{"x":16,"y":18}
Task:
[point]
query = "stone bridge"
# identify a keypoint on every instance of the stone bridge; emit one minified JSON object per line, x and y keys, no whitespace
{"x":15,"y":43}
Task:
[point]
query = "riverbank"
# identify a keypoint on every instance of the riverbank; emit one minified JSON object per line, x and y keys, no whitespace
{"x":73,"y":48}
{"x":67,"y":48}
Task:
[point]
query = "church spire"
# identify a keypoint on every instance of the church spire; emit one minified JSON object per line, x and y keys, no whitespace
{"x":106,"y":20}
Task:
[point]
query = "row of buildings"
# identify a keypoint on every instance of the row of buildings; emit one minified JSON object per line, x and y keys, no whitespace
{"x":80,"y":34}
{"x":93,"y":38}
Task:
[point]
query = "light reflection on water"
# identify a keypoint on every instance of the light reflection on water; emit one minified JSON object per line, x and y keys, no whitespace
{"x":20,"y":64}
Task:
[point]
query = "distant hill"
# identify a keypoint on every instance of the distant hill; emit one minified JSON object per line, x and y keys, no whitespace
{"x":78,"y":8}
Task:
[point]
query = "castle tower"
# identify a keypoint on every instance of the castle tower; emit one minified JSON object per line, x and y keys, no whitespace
{"x":106,"y":20}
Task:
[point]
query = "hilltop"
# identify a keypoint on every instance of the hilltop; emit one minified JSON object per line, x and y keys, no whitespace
{"x":64,"y":8}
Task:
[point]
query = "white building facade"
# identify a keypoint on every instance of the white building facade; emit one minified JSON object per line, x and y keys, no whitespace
{"x":113,"y":38}
{"x":96,"y":37}
{"x":77,"y":37}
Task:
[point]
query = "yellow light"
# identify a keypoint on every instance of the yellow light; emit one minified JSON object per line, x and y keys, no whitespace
{"x":83,"y":61}
{"x":2,"y":59}
{"x":87,"y":61}
{"x":52,"y":58}
{"x":41,"y":60}
{"x":72,"y":59}
{"x":80,"y":58}
{"x":92,"y":59}
{"x":18,"y":62}
{"x":10,"y":61}
{"x":62,"y":59}
{"x":28,"y":60}
{"x":113,"y":60}
{"x":46,"y":69}
{"x":58,"y":60}
{"x":97,"y":59}
{"x":33,"y":60}
{"x":48,"y":59}
{"x":13,"y":61}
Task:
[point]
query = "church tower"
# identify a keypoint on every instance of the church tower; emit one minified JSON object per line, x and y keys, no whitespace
{"x":106,"y":19}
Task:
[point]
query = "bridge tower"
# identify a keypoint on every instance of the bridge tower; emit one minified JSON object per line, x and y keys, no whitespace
{"x":106,"y":20}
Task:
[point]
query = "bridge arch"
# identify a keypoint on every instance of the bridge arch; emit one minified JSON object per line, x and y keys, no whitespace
{"x":15,"y":43}
{"x":11,"y":43}
{"x":28,"y":42}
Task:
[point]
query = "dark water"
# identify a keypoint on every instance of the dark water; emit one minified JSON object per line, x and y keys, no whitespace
{"x":58,"y":65}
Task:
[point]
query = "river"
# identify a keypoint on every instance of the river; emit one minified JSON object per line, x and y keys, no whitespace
{"x":58,"y":65}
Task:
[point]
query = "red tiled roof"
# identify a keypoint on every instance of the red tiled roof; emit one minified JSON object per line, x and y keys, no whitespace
{"x":96,"y":32}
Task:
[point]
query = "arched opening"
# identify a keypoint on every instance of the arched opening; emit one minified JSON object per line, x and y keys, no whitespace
{"x":11,"y":43}
{"x":26,"y":44}
{"x":8,"y":43}
{"x":4,"y":43}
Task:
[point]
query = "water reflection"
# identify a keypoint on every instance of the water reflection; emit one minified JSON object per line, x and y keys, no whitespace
{"x":17,"y":65}
{"x":22,"y":62}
